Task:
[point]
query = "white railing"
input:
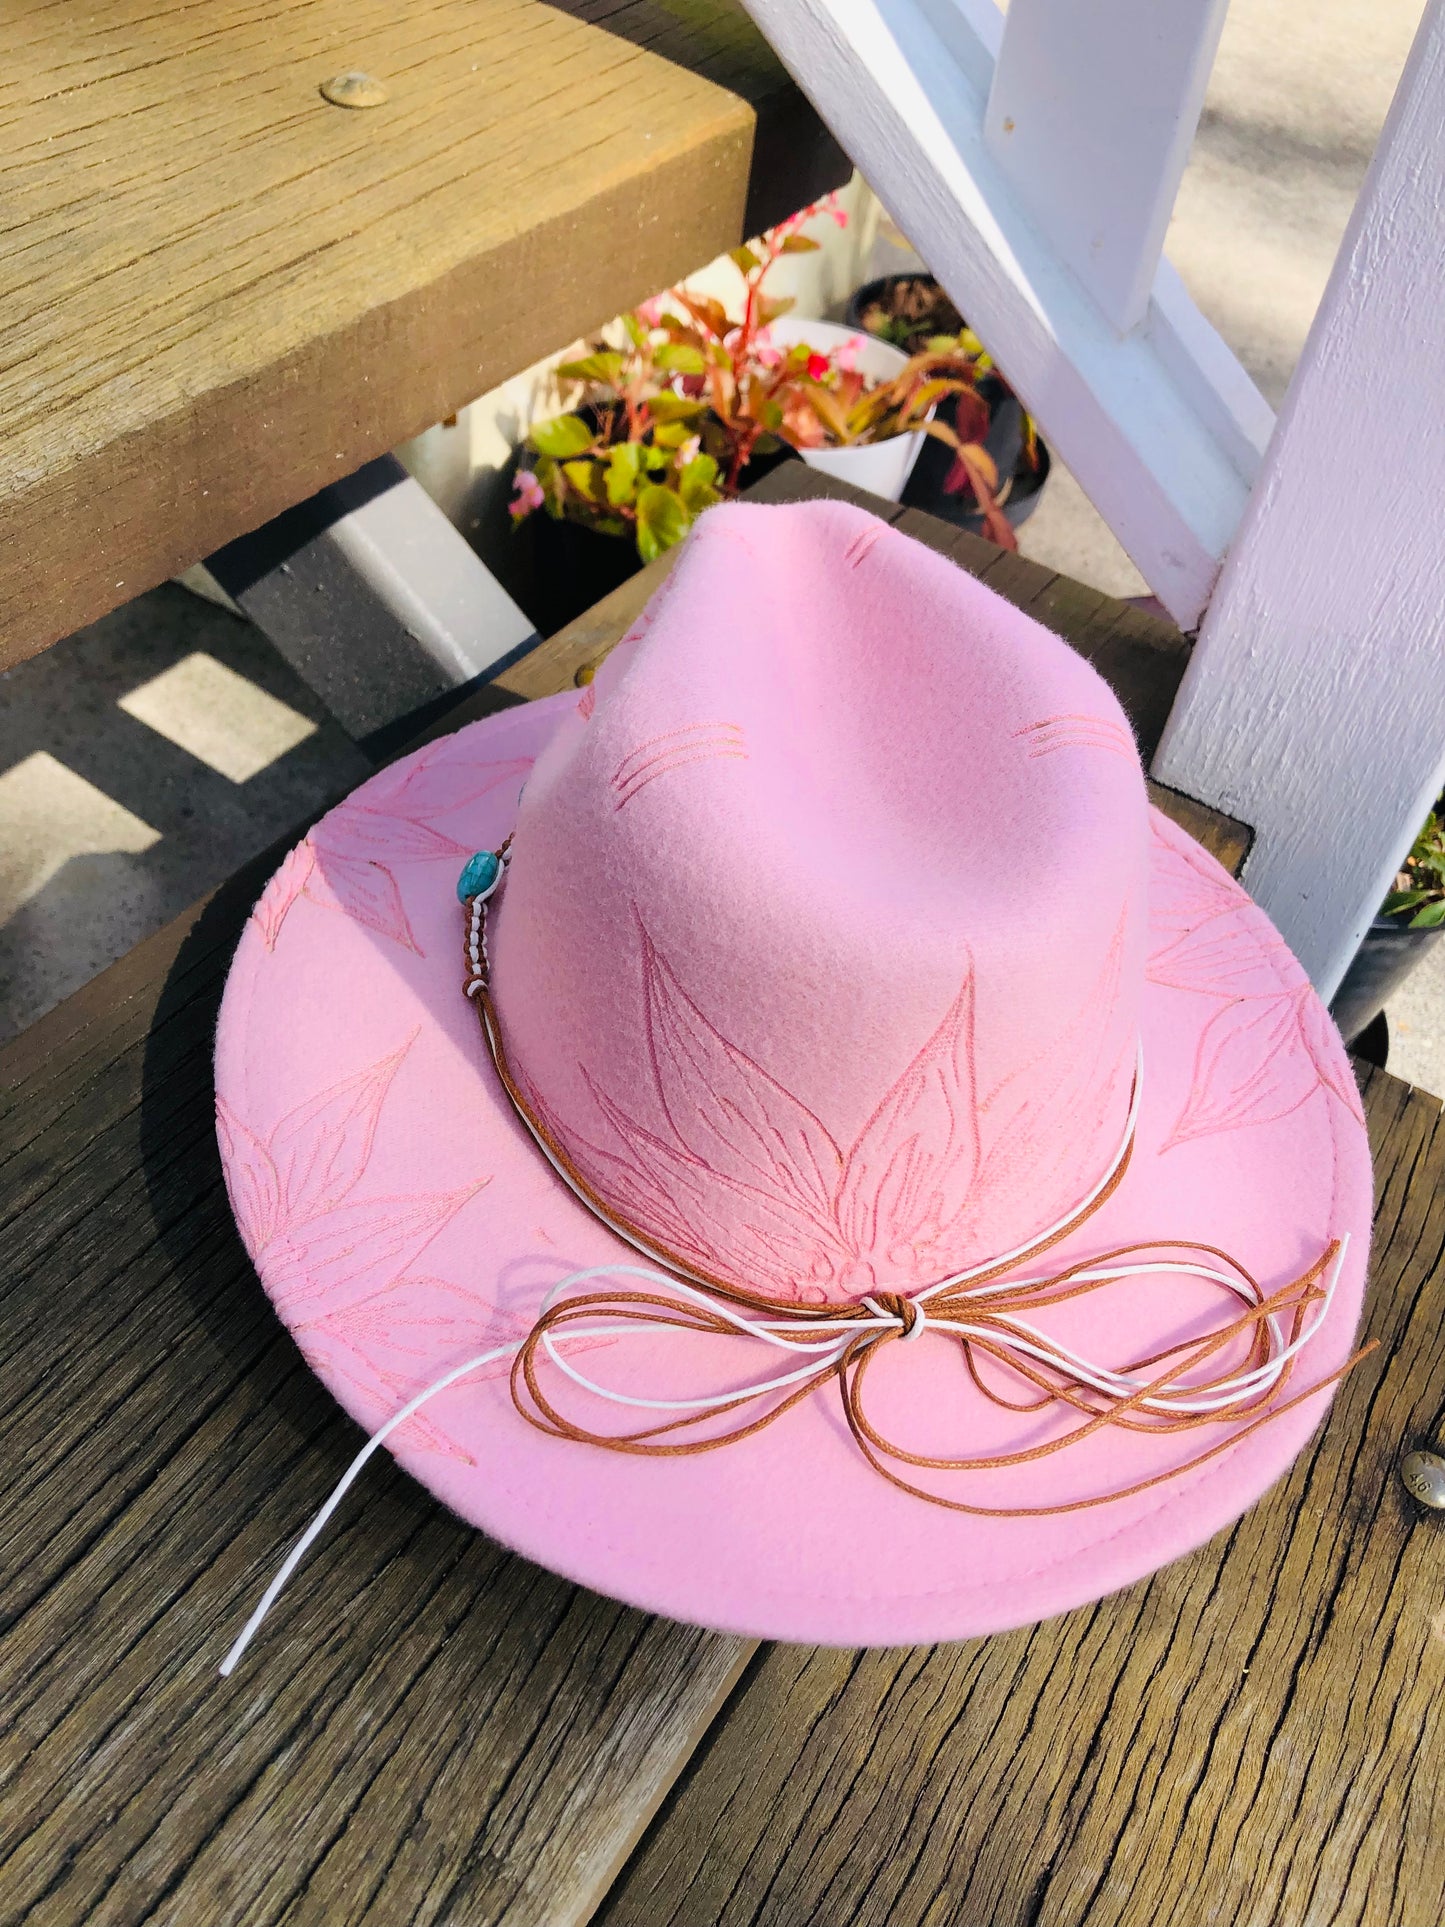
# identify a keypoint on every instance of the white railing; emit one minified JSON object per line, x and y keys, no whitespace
{"x":965,"y":124}
{"x":1033,"y":161}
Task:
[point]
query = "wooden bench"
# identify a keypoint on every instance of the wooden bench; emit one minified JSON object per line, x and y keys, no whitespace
{"x":432,"y":1731}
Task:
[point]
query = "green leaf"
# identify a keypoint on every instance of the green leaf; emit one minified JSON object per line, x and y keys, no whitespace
{"x":828,"y":412}
{"x":662,"y":521}
{"x":1399,"y":900}
{"x":672,"y":434}
{"x":586,"y":478}
{"x":697,"y":484}
{"x":744,"y":260}
{"x":674,"y":408}
{"x":655,"y":460}
{"x":564,"y":436}
{"x":680,"y":358}
{"x":1431,"y":917}
{"x":604,"y":368}
{"x":800,"y":244}
{"x":636,"y":330}
{"x":770,"y":310}
{"x":624,"y":471}
{"x":706,"y":312}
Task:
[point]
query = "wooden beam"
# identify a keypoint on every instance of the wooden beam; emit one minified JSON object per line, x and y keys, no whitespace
{"x":221,"y":292}
{"x":1314,"y":705}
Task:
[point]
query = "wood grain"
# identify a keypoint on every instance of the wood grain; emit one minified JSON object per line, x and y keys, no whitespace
{"x":436,"y":1731}
{"x":221,"y":292}
{"x":1252,"y":1738}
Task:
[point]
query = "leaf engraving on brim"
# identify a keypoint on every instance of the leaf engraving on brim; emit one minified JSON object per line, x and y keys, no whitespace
{"x":282,"y":891}
{"x":1234,"y":953}
{"x":1186,"y":886}
{"x":1249,"y":1068}
{"x":346,"y":862}
{"x":1327,"y":1053}
{"x":366,"y":892}
{"x":435,"y":783}
{"x":323,"y":1146}
{"x":337,"y":1264}
{"x":252,"y":1182}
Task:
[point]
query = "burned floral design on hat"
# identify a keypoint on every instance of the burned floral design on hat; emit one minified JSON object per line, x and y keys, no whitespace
{"x":805,"y":1217}
{"x":353,"y":858}
{"x":1270,"y":1047}
{"x":343,"y":1264}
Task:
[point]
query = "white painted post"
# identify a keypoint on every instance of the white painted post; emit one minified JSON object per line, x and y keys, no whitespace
{"x":1314,"y":707}
{"x":1161,"y":426}
{"x":1090,"y":116}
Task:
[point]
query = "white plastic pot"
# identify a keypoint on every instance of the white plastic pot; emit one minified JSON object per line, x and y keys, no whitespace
{"x":882,"y":468}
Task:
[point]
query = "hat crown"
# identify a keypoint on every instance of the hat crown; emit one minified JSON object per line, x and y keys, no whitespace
{"x":821,"y":950}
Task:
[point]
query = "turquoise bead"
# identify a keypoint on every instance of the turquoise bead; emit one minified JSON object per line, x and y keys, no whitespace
{"x":479,"y":876}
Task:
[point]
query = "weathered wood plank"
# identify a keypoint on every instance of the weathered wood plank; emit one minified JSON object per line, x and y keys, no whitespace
{"x":1253,"y":1736}
{"x":439,"y":1731}
{"x":221,"y":292}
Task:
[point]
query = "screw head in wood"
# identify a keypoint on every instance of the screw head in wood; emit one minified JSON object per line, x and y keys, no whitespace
{"x":354,"y":90}
{"x":1423,"y":1477}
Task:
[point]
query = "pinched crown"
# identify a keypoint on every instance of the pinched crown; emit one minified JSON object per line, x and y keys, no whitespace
{"x":821,"y":946}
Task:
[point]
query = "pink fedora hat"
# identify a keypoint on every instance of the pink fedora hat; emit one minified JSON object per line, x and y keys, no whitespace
{"x":861,"y":1174}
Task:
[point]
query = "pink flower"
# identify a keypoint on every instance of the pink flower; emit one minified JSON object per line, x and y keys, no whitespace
{"x":526,"y":495}
{"x":846,"y":357}
{"x":766,"y":352}
{"x":688,"y":449}
{"x":818,"y":365}
{"x":649,"y":313}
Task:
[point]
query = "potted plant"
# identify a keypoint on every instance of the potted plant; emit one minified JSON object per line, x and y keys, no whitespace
{"x":694,"y":399}
{"x":912,"y":312}
{"x":909,"y":310}
{"x":1410,"y":922}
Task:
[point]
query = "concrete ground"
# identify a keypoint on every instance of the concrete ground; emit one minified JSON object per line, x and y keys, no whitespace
{"x":145,"y":758}
{"x":141,"y":762}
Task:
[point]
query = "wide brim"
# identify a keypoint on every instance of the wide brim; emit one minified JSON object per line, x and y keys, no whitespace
{"x":402,"y":1220}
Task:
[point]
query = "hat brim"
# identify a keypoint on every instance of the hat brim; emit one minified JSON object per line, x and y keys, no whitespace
{"x":402,"y":1220}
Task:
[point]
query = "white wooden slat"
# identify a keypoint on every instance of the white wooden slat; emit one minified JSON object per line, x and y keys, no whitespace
{"x":1164,"y":444}
{"x":1314,"y":707}
{"x":1090,"y":117}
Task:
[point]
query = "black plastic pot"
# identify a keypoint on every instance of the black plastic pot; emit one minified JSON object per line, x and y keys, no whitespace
{"x":565,"y":567}
{"x":1383,"y":961}
{"x":1005,"y":443}
{"x":864,"y":298}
